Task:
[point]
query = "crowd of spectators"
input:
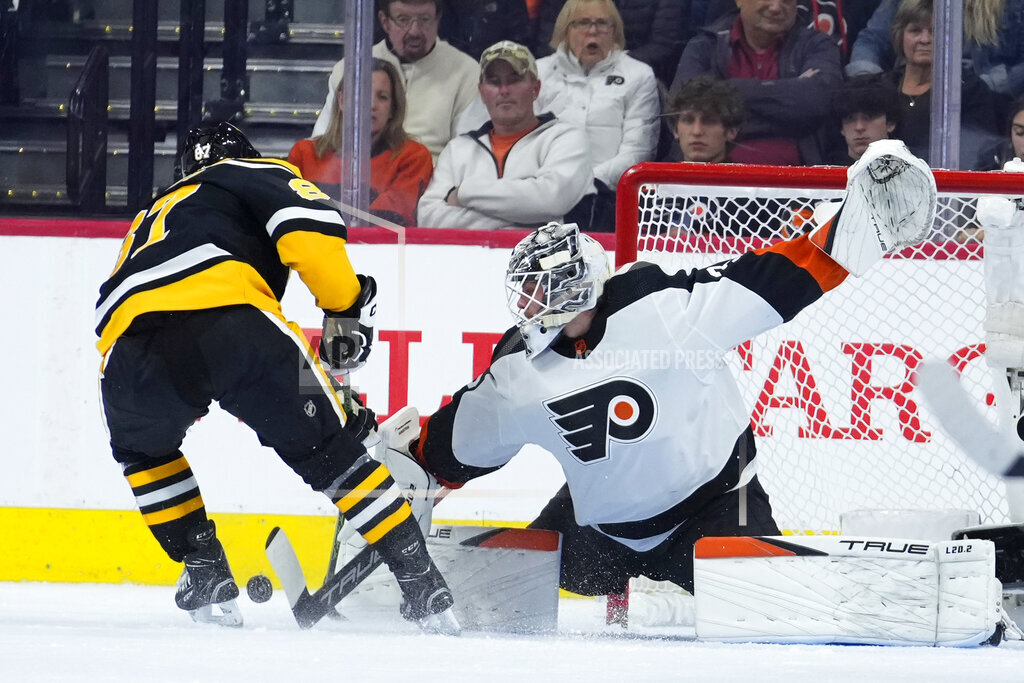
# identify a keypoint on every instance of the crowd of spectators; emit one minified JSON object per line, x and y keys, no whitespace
{"x":610,"y":83}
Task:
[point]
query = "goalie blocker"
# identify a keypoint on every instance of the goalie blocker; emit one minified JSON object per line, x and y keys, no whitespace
{"x":847,"y":589}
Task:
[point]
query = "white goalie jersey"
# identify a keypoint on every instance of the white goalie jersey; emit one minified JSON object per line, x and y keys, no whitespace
{"x":642,"y":412}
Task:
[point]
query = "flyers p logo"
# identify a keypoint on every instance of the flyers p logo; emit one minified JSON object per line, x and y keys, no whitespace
{"x":617,"y":409}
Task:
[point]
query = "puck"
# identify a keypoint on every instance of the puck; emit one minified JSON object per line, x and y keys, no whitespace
{"x":259,"y":588}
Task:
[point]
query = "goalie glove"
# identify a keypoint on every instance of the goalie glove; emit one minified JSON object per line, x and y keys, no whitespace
{"x":348,"y":335}
{"x":418,"y":486}
{"x":890,"y":204}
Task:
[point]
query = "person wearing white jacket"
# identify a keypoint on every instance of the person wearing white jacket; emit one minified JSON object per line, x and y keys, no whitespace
{"x":519,"y":170}
{"x":591,"y":83}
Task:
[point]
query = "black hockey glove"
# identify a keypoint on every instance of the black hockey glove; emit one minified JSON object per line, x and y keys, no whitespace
{"x":348,"y":335}
{"x":360,"y":421}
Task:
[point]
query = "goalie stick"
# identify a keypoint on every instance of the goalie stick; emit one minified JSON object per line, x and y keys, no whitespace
{"x":977,"y":437}
{"x":309,"y":608}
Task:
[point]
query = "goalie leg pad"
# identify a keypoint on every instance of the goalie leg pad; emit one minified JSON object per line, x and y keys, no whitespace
{"x":839,"y":589}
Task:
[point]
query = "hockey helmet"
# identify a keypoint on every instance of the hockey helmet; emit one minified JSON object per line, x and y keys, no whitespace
{"x":555,"y":273}
{"x":209,"y":144}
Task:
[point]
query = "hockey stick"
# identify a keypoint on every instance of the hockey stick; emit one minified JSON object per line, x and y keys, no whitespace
{"x":977,"y":437}
{"x":309,"y":608}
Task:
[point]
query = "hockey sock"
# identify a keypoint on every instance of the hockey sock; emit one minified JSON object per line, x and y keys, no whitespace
{"x":168,"y":498}
{"x":372,"y":503}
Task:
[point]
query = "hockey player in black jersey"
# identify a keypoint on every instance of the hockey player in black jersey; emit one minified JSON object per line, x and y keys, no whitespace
{"x":192,"y":314}
{"x":623,"y":379}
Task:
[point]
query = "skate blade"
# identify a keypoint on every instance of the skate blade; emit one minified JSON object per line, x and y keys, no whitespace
{"x":443,"y":623}
{"x":228,"y":614}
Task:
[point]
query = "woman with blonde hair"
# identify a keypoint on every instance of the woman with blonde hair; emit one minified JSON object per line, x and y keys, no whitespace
{"x":590,"y":81}
{"x":993,"y":43}
{"x":400,"y":167}
{"x":912,"y":38}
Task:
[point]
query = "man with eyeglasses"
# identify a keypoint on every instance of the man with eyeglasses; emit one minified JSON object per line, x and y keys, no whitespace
{"x":440,"y":81}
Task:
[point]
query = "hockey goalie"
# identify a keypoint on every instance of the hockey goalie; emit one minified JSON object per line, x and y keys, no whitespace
{"x":623,"y":379}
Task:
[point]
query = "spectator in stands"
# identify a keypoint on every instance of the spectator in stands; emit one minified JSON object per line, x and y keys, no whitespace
{"x":993,"y":43}
{"x":519,"y":169}
{"x":399,"y":166}
{"x":472,"y":26}
{"x":440,"y":81}
{"x":1009,"y":147}
{"x":839,"y":20}
{"x":705,"y":117}
{"x":866,"y":110}
{"x":912,"y":81}
{"x":591,"y":83}
{"x":782,"y":71}
{"x":654,"y":31}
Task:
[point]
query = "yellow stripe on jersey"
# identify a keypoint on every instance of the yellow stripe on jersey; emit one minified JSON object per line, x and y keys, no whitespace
{"x":224,"y":284}
{"x":359,"y":492}
{"x":322,"y":263}
{"x":389,"y":523}
{"x":173,"y":513}
{"x":157,"y":473}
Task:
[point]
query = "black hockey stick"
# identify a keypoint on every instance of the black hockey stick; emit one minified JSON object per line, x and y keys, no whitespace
{"x":309,"y":608}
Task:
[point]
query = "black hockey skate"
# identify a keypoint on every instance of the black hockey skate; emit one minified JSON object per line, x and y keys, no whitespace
{"x":207,"y":580}
{"x":426,"y":598}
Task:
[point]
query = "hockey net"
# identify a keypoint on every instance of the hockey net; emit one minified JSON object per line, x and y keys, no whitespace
{"x":838,"y":423}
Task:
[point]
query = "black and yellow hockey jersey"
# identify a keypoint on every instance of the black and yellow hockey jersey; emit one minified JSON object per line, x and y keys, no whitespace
{"x":228,"y":235}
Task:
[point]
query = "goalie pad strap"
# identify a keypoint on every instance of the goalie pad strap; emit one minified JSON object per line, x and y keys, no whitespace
{"x":839,"y":589}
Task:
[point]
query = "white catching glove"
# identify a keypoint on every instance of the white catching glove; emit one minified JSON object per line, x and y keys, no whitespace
{"x":890,"y":204}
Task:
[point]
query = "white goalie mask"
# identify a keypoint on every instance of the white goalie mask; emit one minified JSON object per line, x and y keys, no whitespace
{"x":554,"y":274}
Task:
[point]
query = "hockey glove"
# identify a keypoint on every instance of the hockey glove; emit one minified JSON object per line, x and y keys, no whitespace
{"x":361,"y":422}
{"x":348,"y":335}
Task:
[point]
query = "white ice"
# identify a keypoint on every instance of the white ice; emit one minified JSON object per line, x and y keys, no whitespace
{"x":85,"y":632}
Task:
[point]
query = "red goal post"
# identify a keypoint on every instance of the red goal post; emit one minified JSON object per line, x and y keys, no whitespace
{"x":838,"y":422}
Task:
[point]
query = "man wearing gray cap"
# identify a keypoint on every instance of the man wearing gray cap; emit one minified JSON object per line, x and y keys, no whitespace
{"x":519,"y":169}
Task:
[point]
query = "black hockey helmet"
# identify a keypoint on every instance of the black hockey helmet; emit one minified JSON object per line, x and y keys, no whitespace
{"x":207,"y":145}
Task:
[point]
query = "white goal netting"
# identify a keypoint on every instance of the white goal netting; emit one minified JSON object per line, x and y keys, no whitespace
{"x":838,"y":422}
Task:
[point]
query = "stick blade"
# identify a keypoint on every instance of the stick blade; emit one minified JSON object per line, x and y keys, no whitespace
{"x":285,"y":564}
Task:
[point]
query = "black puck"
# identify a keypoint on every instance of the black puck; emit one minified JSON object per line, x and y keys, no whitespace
{"x":259,"y":588}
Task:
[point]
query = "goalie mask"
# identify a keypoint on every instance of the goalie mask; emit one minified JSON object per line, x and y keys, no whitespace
{"x":554,"y":274}
{"x":208,"y":145}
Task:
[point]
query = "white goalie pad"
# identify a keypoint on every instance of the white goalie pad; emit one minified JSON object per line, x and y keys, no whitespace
{"x":890,"y":204}
{"x":846,"y":589}
{"x":1003,"y":222}
{"x":503,"y":580}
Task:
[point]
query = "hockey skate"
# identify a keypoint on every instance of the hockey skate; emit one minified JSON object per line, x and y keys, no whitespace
{"x":207,"y":581}
{"x":426,"y":598}
{"x":890,"y":204}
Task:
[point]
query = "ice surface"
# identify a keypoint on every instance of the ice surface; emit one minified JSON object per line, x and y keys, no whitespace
{"x":86,"y":632}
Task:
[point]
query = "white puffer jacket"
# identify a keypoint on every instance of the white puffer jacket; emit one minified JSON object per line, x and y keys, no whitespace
{"x":547,"y":172}
{"x":616,"y":104}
